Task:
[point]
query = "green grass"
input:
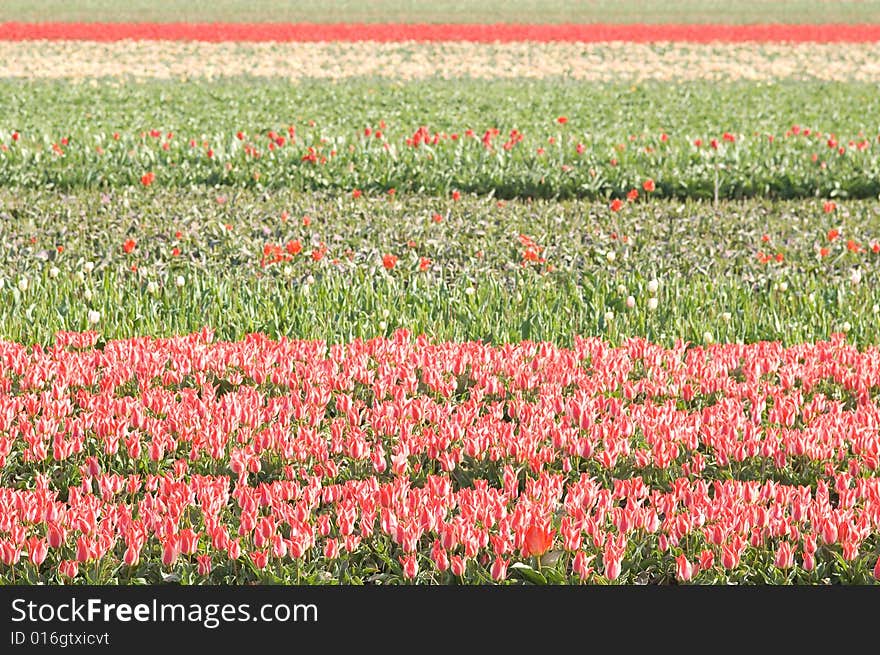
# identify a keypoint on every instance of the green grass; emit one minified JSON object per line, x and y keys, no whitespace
{"x":619,"y":126}
{"x":477,"y":286}
{"x":695,"y":108}
{"x":524,"y":11}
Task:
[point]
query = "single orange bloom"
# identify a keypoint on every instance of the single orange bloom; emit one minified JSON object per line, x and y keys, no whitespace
{"x":129,"y":246}
{"x":648,"y":185}
{"x":389,"y":261}
{"x":538,"y":540}
{"x":833,"y":234}
{"x":616,"y":205}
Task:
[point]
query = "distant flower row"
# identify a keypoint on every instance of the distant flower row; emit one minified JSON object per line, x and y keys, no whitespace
{"x":482,"y":33}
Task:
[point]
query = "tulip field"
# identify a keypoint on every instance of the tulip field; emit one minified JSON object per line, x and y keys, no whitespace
{"x":396,"y":294}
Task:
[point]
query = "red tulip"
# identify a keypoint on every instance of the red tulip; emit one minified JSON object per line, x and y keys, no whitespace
{"x":684,"y":570}
{"x":499,"y":568}
{"x":410,"y":566}
{"x":68,"y":568}
{"x":581,"y":565}
{"x":37,"y":550}
{"x":538,"y":540}
{"x":260,"y":558}
{"x":205,"y":564}
{"x":784,"y":556}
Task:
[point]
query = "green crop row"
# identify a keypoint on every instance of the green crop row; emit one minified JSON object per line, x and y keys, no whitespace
{"x":166,"y":261}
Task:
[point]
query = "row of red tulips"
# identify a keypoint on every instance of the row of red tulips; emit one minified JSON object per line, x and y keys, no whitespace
{"x":447,"y":459}
{"x":478,"y":33}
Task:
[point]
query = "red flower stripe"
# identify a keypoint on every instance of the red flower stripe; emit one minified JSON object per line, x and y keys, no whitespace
{"x":388,"y":32}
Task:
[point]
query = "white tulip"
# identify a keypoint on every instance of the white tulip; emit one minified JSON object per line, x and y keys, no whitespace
{"x":53,"y":272}
{"x":88,"y":267}
{"x":652,"y":304}
{"x":180,"y":281}
{"x":653,"y":286}
{"x":94,"y":316}
{"x":630,"y":302}
{"x":152,"y":286}
{"x":23,"y":284}
{"x":855,"y":276}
